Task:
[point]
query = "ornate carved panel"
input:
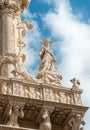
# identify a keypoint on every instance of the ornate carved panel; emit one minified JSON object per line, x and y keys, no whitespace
{"x":23,"y":89}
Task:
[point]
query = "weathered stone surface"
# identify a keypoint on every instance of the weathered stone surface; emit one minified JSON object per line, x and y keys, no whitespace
{"x":27,"y":97}
{"x":11,"y":43}
{"x":59,"y":112}
{"x":37,"y":91}
{"x":47,"y":70}
{"x":4,"y":127}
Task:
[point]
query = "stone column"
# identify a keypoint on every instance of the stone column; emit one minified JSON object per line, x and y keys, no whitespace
{"x":7,"y":44}
{"x":11,"y":38}
{"x":7,"y":34}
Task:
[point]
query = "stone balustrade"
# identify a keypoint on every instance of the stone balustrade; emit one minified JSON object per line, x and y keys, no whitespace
{"x":40,"y":91}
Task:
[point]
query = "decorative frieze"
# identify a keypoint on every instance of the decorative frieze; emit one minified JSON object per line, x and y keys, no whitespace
{"x":24,"y":89}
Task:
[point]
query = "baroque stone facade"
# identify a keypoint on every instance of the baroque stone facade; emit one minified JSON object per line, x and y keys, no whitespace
{"x":28,"y":103}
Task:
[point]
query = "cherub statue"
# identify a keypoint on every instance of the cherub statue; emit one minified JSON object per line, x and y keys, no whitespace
{"x":14,"y":113}
{"x":75,"y":83}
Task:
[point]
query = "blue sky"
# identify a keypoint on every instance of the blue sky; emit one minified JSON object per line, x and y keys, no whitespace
{"x":67,"y":23}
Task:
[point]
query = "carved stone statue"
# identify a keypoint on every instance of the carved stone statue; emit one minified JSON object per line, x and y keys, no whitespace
{"x":14,"y":113}
{"x":47,"y":70}
{"x":75,"y":83}
{"x":45,"y":123}
{"x":47,"y":58}
{"x":75,"y":122}
{"x":24,"y":26}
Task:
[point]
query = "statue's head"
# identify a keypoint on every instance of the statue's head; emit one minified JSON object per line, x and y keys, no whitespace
{"x":16,"y":109}
{"x":78,"y":116}
{"x":73,"y":80}
{"x":45,"y":113}
{"x":46,"y":42}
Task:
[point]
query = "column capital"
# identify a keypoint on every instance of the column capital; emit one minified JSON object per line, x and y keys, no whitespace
{"x":13,"y":5}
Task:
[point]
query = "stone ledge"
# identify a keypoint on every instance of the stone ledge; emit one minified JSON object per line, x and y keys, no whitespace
{"x":40,"y":103}
{"x":40,"y":85}
{"x":21,"y":88}
{"x":4,"y":127}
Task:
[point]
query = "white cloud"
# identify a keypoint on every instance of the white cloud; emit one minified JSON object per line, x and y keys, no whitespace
{"x":32,"y":41}
{"x":74,"y":37}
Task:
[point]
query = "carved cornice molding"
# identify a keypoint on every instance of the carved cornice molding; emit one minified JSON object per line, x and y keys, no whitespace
{"x":41,"y":103}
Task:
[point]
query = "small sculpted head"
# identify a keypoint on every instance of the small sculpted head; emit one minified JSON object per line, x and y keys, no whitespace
{"x":46,"y":42}
{"x":16,"y":109}
{"x":45,"y":114}
{"x":78,"y":117}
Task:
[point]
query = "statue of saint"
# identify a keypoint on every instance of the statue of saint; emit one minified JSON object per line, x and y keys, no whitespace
{"x":14,"y":113}
{"x":47,"y":58}
{"x":47,"y":70}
